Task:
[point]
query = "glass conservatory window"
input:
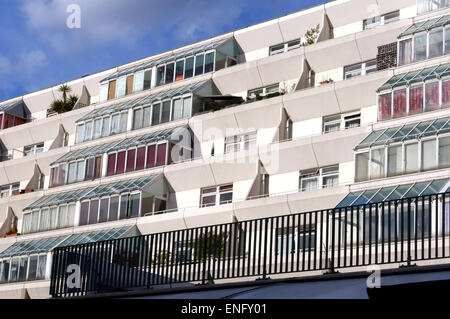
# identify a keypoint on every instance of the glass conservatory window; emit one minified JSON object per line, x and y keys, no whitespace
{"x":420,"y":47}
{"x":400,"y":103}
{"x":416,"y":99}
{"x":405,"y":51}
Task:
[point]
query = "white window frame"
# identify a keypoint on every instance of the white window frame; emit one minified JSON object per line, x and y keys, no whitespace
{"x":319,"y":175}
{"x":217,"y":194}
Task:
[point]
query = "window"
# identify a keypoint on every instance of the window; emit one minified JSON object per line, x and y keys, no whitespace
{"x":48,"y":218}
{"x":362,"y":166}
{"x":101,"y":127}
{"x":420,"y":47}
{"x":359,"y":69}
{"x":431,"y":96}
{"x":33,"y":149}
{"x":240,"y":142}
{"x":416,"y":99}
{"x":319,"y":178}
{"x":76,"y":171}
{"x":121,"y":86}
{"x":9,"y":190}
{"x":284,"y":47}
{"x":377,"y":163}
{"x":405,"y":52}
{"x":339,"y":122}
{"x":436,"y":43}
{"x":385,"y":106}
{"x":216,"y":195}
{"x":395,"y":160}
{"x":199,"y":60}
{"x":381,"y":20}
{"x":271,"y":89}
{"x":411,"y":157}
{"x":291,"y":240}
{"x":424,"y":6}
{"x":23,"y":268}
{"x":429,"y":154}
{"x":444,"y":152}
{"x":104,"y":92}
{"x":399,"y":103}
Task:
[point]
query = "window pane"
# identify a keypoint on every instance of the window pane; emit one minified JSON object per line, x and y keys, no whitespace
{"x":115,"y":124}
{"x":199,"y":64}
{"x":33,"y":268}
{"x":121,"y":86}
{"x":137,"y":118}
{"x":147,"y":79}
{"x":14,"y":269}
{"x":225,"y":198}
{"x":161,"y":157}
{"x":113,"y":208}
{"x":23,"y":265}
{"x":71,"y":214}
{"x":385,"y":106}
{"x":84,"y":211}
{"x":432,"y":96}
{"x":151,"y":152}
{"x":53,"y":217}
{"x":446,"y":92}
{"x":160,"y":75}
{"x":309,"y":184}
{"x":138,"y":82}
{"x":444,"y":151}
{"x":97,"y":128}
{"x":103,"y":215}
{"x":179,"y":70}
{"x":362,"y":166}
{"x":209,"y":62}
{"x":377,"y":163}
{"x":123,"y":206}
{"x":165,"y":112}
{"x":105,"y":126}
{"x":111,"y":164}
{"x":394,"y":160}
{"x":41,"y":267}
{"x":416,"y":99}
{"x":420,"y":47}
{"x":120,"y":162}
{"x":80,"y":133}
{"x":104,"y":92}
{"x":405,"y":51}
{"x":88,"y":131}
{"x":72,"y":173}
{"x":209,"y":200}
{"x":134,"y":205}
{"x":177,"y":109}
{"x":189,"y":70}
{"x":90,"y":169}
{"x":156,"y":113}
{"x":147,"y":116}
{"x":187,"y":106}
{"x":411,"y":158}
{"x":80,"y":170}
{"x":436,"y":43}
{"x":62,"y":216}
{"x":140,"y":162}
{"x":447,"y":39}
{"x":429,"y":154}
{"x":93,"y":211}
{"x":169,"y":72}
{"x":44,"y":222}
{"x":123,"y":121}
{"x":26,"y":224}
{"x":399,"y":103}
{"x":131,"y":158}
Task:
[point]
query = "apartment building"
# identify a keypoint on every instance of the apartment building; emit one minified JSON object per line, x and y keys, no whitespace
{"x":320,"y":137}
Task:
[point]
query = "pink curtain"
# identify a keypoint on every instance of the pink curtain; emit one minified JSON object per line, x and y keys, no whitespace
{"x":120,"y":162}
{"x":415,"y":100}
{"x":111,"y":164}
{"x":131,"y":158}
{"x":399,"y":103}
{"x":140,"y":162}
{"x":384,"y":102}
{"x":432,"y":96}
{"x":151,"y":150}
{"x":161,"y":156}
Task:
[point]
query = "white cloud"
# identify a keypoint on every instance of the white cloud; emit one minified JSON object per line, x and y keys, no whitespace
{"x":125,"y":22}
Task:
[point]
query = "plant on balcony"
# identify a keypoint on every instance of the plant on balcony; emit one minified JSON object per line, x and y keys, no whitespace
{"x":311,"y":35}
{"x":67,"y":102}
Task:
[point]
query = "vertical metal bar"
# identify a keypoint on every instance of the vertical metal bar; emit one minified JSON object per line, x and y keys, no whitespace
{"x":327,"y":239}
{"x":376,"y":232}
{"x":389,"y":232}
{"x":358,"y":229}
{"x":443,"y":225}
{"x":266,"y":221}
{"x":409,"y":230}
{"x":216,"y":238}
{"x":339,"y":237}
{"x":235,"y":236}
{"x":255,"y":227}
{"x":370,"y":234}
{"x":271,"y":249}
{"x":333,"y":237}
{"x":351,"y":236}
{"x":315,"y":240}
{"x":437,"y":226}
{"x":276,"y":245}
{"x":310,"y":223}
{"x":396,"y":229}
{"x":423,"y":227}
{"x":383,"y":241}
{"x":321,"y":240}
{"x":286,"y":257}
{"x":364,"y":236}
{"x":345,"y":237}
{"x":303,"y":250}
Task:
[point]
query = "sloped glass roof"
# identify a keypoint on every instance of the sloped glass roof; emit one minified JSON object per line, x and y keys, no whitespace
{"x":405,"y":133}
{"x":59,"y":198}
{"x":379,"y":195}
{"x":119,"y":187}
{"x":121,"y":144}
{"x":426,"y":25}
{"x":168,"y":58}
{"x":85,"y":152}
{"x":6,"y":106}
{"x":92,"y":192}
{"x":48,"y":244}
{"x":147,"y":99}
{"x":409,"y":78}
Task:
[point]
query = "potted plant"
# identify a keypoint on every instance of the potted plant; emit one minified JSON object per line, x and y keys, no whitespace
{"x":67,"y":103}
{"x":326,"y":81}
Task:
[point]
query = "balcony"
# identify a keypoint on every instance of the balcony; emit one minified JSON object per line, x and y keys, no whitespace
{"x":400,"y":230}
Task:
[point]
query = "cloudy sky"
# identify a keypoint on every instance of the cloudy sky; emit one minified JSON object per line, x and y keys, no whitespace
{"x":39,"y":50}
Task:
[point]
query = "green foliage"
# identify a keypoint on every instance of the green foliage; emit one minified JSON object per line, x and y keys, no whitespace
{"x":207,"y":245}
{"x":61,"y":106}
{"x":311,"y":35}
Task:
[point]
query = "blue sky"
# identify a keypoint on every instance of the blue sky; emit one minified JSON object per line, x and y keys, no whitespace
{"x":39,"y":50}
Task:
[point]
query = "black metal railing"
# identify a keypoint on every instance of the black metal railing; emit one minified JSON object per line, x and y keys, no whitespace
{"x":397,"y":231}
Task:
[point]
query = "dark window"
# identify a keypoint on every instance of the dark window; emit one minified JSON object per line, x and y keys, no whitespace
{"x":131,"y":158}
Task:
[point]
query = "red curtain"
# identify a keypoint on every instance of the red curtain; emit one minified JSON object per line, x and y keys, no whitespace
{"x":9,"y":121}
{"x":120,"y":162}
{"x":151,"y":156}
{"x":131,"y":158}
{"x":416,"y":100}
{"x":385,"y":106}
{"x":400,"y":103}
{"x":111,"y":164}
{"x":161,"y":156}
{"x":432,"y":96}
{"x":140,"y":162}
{"x":19,"y":121}
{"x":446,"y":92}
